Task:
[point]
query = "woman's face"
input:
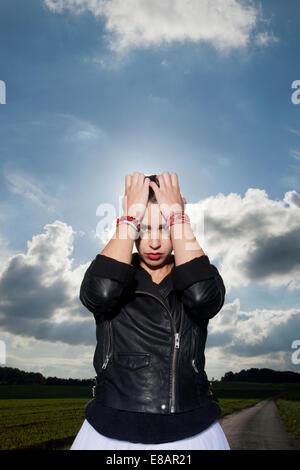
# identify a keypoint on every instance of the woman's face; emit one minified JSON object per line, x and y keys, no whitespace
{"x":154,"y":237}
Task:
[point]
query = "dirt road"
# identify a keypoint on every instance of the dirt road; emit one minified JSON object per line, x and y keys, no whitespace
{"x":258,"y":427}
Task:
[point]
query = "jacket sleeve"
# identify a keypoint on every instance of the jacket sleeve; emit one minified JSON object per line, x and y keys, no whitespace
{"x":104,"y":283}
{"x":201,"y":287}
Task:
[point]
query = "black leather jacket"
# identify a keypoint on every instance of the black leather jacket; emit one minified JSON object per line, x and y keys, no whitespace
{"x":143,"y":360}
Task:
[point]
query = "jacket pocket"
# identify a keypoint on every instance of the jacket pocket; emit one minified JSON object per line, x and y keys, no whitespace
{"x":132,"y":360}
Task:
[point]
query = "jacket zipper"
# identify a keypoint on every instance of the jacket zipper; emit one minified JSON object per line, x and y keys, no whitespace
{"x":176,"y":343}
{"x":194,"y":351}
{"x":194,"y":365}
{"x":104,"y":365}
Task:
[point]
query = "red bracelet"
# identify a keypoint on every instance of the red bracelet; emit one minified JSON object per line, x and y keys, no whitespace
{"x":129,"y":220}
{"x":177,"y":217}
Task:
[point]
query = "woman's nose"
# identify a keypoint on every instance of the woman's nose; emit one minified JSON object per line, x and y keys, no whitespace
{"x":154,"y":242}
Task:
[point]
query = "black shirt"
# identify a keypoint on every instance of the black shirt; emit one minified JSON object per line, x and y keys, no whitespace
{"x":151,"y":428}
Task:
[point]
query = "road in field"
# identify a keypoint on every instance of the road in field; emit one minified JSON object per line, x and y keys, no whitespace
{"x":258,"y":427}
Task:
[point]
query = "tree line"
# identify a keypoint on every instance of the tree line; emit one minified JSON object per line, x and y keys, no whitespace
{"x":14,"y":376}
{"x":262,"y":375}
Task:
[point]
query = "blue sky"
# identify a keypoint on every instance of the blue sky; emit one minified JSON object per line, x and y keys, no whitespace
{"x":97,"y":90}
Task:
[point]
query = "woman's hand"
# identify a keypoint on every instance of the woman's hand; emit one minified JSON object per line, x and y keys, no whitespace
{"x":168,"y":194}
{"x":136,"y":195}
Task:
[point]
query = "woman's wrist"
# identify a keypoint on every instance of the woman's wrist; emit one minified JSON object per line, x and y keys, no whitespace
{"x":128,"y":226}
{"x":176,"y":218}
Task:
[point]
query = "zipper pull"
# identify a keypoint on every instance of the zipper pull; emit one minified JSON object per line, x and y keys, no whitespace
{"x":105,"y":362}
{"x":194,"y":365}
{"x":177,"y":336}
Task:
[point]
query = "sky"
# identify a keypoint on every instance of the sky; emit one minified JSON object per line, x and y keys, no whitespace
{"x":92,"y":90}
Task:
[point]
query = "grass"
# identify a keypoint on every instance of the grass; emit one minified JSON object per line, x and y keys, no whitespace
{"x":289,"y":411}
{"x":229,"y":405}
{"x":31,"y":422}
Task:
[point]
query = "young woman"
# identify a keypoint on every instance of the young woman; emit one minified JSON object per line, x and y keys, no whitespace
{"x":151,"y":310}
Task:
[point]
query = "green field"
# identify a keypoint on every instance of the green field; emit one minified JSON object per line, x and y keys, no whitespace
{"x":52,"y":417}
{"x":229,"y":405}
{"x":289,"y":410}
{"x":26,"y":422}
{"x":290,"y":413}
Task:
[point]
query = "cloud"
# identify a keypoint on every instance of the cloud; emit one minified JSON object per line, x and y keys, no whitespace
{"x":25,"y":186}
{"x":225,"y":24}
{"x":77,"y":129}
{"x":257,"y":239}
{"x":295,"y":154}
{"x":265,"y":38}
{"x":292,"y":197}
{"x":39,"y":290}
{"x":256,"y":333}
{"x":294,"y":131}
{"x":290,"y":180}
{"x":50,"y":358}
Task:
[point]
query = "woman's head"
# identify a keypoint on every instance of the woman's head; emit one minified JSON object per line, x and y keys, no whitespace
{"x":154,"y":236}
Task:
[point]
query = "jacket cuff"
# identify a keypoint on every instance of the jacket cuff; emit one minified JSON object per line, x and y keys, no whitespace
{"x":197,"y":269}
{"x":110,"y":268}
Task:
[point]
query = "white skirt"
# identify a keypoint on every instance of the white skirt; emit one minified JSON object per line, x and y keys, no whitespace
{"x":212,"y":438}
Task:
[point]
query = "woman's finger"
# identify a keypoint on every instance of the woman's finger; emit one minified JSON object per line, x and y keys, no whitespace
{"x":161,"y":181}
{"x":141,"y":179}
{"x":154,"y":187}
{"x":127,"y":182}
{"x":167,"y":179}
{"x":135,"y":178}
{"x":174,"y":179}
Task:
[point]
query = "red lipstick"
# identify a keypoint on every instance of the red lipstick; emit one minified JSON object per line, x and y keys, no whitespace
{"x":154,"y":256}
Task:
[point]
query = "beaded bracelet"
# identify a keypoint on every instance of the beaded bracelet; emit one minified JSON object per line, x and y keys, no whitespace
{"x":129,"y":220}
{"x":177,"y":218}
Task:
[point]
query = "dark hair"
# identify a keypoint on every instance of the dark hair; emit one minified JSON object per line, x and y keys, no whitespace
{"x":152,"y":197}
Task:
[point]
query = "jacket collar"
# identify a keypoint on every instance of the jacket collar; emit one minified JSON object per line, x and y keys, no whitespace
{"x":144,"y":280}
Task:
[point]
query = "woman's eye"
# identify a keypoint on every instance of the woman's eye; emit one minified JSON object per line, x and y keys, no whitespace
{"x":144,"y":230}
